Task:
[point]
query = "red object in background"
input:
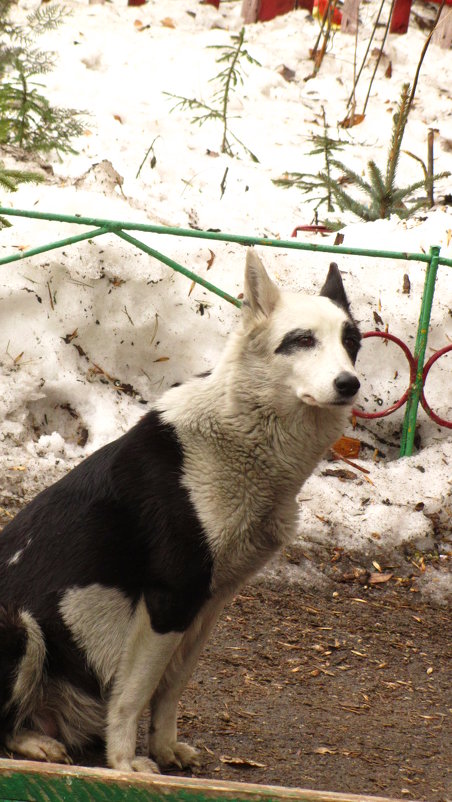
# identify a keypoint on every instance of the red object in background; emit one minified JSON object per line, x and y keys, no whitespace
{"x":322,"y":6}
{"x":136,"y":2}
{"x":215,"y":3}
{"x":400,"y":16}
{"x":272,"y":8}
{"x":308,"y":5}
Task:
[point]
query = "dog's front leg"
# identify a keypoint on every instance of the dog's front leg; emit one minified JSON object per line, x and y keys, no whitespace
{"x":163,"y":743}
{"x":144,"y":659}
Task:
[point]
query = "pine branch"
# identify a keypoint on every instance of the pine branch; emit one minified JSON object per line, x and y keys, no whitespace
{"x":228,"y":80}
{"x":346,"y":202}
{"x":399,"y":123}
{"x":26,"y":116}
{"x":353,"y":177}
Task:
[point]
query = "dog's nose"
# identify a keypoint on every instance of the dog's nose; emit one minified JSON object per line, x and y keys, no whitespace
{"x":346,"y":384}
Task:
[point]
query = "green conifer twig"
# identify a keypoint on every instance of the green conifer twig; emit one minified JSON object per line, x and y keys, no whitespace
{"x":228,"y":79}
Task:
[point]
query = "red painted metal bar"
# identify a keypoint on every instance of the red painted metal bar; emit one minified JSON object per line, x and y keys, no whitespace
{"x":425,"y":405}
{"x":412,"y":364}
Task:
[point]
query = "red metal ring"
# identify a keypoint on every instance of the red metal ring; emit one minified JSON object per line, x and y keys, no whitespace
{"x":319,"y":229}
{"x":412,"y":363}
{"x":424,"y":403}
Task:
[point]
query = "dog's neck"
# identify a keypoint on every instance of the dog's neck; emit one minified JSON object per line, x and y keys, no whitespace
{"x":222,"y":415}
{"x":244,"y":463}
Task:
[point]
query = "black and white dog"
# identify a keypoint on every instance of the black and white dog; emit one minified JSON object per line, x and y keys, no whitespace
{"x":112,"y":579}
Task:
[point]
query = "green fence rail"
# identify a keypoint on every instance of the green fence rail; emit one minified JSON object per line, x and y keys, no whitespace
{"x":120,"y":228}
{"x":24,"y":781}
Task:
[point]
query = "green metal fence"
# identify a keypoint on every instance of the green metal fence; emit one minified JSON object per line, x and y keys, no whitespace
{"x":432,"y":260}
{"x":24,"y":781}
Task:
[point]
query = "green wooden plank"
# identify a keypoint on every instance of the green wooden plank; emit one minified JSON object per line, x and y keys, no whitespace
{"x":25,"y":781}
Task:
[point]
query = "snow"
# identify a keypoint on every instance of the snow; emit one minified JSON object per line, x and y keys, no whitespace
{"x":91,"y":334}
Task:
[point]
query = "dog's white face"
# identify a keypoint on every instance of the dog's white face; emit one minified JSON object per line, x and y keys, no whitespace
{"x":308,"y":343}
{"x":315,"y":347}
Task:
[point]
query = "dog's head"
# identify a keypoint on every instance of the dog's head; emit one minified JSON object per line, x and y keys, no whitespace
{"x":306,"y":346}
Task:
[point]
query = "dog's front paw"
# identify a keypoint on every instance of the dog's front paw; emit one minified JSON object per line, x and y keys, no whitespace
{"x":137,"y":763}
{"x":145,"y":764}
{"x":177,"y":754}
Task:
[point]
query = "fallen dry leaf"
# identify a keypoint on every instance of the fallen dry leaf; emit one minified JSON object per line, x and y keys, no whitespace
{"x":211,"y":259}
{"x":376,"y":578}
{"x":168,"y":23}
{"x":241,"y":761}
{"x":286,"y":72}
{"x":347,"y":447}
{"x":340,"y":473}
{"x":351,"y":120}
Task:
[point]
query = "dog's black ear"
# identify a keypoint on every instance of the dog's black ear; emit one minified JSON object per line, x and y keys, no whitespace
{"x":261,"y":295}
{"x":334,"y":288}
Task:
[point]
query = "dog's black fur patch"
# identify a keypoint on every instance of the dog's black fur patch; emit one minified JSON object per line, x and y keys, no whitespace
{"x":351,"y":339}
{"x":122,"y":519}
{"x":294,"y":340}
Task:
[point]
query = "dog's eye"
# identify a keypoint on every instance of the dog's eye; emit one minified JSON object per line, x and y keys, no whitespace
{"x":294,"y":340}
{"x":305,"y":341}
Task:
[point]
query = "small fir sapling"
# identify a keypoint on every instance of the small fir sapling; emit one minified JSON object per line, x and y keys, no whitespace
{"x":384,"y":198}
{"x":313,"y":183}
{"x":27,"y":119}
{"x":228,"y":79}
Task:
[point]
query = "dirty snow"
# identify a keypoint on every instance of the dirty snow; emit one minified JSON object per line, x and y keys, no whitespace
{"x":91,"y":334}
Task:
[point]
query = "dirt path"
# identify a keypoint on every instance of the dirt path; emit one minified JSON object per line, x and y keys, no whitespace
{"x":346,"y":689}
{"x":346,"y":693}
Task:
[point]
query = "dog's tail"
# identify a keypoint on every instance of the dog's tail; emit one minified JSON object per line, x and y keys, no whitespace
{"x":22,"y":655}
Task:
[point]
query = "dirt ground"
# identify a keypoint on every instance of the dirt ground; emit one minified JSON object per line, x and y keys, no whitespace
{"x":350,"y":692}
{"x":344,"y":687}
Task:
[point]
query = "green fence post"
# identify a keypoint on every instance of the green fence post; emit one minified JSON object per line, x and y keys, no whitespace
{"x":409,"y":423}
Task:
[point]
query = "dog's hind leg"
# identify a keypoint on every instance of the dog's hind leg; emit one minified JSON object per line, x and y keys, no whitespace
{"x":35,"y":746}
{"x":145,"y":657}
{"x":163,"y":744}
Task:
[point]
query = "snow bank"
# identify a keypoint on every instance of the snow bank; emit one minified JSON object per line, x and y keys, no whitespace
{"x":91,"y":334}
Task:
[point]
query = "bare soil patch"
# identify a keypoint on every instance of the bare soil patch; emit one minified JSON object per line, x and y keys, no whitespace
{"x":346,"y":693}
{"x":343,"y":687}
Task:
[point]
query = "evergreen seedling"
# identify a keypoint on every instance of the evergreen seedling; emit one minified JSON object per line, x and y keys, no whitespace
{"x":227,"y":79}
{"x":10,"y":180}
{"x":27,"y":119}
{"x":313,"y":183}
{"x":384,"y":197}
